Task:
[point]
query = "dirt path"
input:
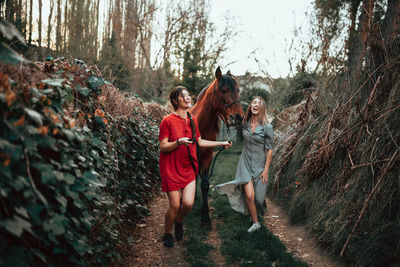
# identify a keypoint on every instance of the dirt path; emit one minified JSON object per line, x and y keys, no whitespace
{"x":297,"y":240}
{"x":148,"y":249}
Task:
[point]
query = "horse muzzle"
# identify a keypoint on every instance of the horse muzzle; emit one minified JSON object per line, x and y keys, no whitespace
{"x":234,"y":120}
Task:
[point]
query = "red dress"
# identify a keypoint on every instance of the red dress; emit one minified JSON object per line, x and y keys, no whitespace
{"x":175,"y":167}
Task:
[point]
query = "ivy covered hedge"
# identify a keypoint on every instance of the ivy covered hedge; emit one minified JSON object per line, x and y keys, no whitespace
{"x":72,"y":174}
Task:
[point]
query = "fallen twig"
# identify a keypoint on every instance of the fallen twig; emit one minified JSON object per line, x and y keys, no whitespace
{"x":369,"y":163}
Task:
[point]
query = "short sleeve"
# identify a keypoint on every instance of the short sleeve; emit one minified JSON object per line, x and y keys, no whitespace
{"x":269,"y":136}
{"x":164,"y":130}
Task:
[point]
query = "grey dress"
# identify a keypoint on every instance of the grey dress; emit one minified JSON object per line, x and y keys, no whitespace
{"x":250,"y":167}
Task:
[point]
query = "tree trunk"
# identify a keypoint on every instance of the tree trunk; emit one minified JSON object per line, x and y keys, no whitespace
{"x":391,"y":27}
{"x":58,"y":27}
{"x":65,"y":25}
{"x":49,"y":23}
{"x":19,"y":9}
{"x":9,"y":14}
{"x":358,"y":39}
{"x":96,"y":42}
{"x":385,"y":47}
{"x":40,"y":24}
{"x":131,"y":33}
{"x":30,"y":22}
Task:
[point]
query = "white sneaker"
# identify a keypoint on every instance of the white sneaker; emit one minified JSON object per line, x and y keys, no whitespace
{"x":254,"y":227}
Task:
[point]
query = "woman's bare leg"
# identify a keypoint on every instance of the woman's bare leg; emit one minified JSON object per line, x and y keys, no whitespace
{"x":174,"y":198}
{"x":188,"y":195}
{"x":177,"y":210}
{"x":249,"y":192}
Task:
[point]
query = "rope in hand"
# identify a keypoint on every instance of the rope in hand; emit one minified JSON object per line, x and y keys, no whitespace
{"x":216,"y":156}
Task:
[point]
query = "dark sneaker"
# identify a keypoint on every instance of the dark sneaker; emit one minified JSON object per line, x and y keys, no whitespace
{"x":178,"y":230}
{"x":168,"y":240}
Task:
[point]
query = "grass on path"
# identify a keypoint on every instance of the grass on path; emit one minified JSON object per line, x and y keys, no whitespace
{"x":260,"y":248}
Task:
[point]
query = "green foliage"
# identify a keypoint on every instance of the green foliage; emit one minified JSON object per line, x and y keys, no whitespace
{"x":66,"y":191}
{"x":290,"y":91}
{"x":195,"y":76}
{"x":10,"y":31}
{"x":247,"y":95}
{"x":8,"y":34}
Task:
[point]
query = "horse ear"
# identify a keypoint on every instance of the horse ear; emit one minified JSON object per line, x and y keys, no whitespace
{"x":218,"y":73}
{"x":229,"y":73}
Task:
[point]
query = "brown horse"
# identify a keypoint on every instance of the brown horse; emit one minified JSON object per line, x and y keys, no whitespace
{"x":218,"y":100}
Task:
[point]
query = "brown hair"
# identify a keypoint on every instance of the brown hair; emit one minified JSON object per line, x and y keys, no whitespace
{"x":173,"y":98}
{"x":263,"y":111}
{"x":175,"y":93}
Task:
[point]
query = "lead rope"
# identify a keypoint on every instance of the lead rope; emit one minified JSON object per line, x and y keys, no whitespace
{"x":198,"y":151}
{"x":220,"y":150}
{"x":197,"y":145}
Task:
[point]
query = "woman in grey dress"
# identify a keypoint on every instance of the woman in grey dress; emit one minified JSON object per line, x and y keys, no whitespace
{"x":247,"y":192}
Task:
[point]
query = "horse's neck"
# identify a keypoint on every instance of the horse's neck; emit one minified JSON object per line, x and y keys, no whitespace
{"x":208,"y":124}
{"x":207,"y":117}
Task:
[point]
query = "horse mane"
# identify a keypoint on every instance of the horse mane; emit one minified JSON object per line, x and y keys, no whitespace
{"x":203,"y":92}
{"x":224,"y":80}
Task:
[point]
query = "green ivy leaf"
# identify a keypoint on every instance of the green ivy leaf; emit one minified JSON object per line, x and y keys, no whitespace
{"x":22,"y":211}
{"x":9,"y":56}
{"x":83,"y":90}
{"x":95,"y":83}
{"x":17,"y":225}
{"x":34,"y":115}
{"x":63,"y":201}
{"x":10,"y":31}
{"x":54,"y":82}
{"x":69,"y":134}
{"x":91,"y":177}
{"x":81,"y":247}
{"x":69,"y":178}
{"x":97,"y":142}
{"x":36,"y":92}
{"x":55,"y":224}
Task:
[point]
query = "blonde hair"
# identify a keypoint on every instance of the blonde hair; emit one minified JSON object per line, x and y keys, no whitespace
{"x":263,"y":111}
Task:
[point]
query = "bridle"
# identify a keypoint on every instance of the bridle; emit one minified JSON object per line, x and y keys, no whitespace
{"x":226,"y":105}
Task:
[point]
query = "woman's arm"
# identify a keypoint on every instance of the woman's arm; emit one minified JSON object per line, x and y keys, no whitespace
{"x":166,"y":146}
{"x":208,"y":143}
{"x":264,"y":175}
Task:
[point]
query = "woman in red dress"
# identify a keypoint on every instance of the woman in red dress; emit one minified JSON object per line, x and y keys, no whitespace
{"x":178,"y":161}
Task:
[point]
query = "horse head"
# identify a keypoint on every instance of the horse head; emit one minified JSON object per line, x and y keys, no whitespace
{"x":226,"y":98}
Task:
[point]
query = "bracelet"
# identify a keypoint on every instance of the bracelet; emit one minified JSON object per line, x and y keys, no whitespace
{"x":177,"y":141}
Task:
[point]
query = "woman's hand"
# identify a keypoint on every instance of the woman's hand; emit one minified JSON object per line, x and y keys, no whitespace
{"x":184,"y":141}
{"x":226,"y":144}
{"x":264,"y":177}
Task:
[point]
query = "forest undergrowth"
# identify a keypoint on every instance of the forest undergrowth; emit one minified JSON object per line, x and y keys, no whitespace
{"x":337,"y":168}
{"x":79,"y":161}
